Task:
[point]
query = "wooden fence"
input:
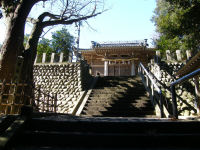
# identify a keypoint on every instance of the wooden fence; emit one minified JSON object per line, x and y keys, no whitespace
{"x":45,"y":101}
{"x":14,"y":95}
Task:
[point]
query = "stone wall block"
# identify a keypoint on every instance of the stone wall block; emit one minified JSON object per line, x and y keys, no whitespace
{"x":167,"y":70}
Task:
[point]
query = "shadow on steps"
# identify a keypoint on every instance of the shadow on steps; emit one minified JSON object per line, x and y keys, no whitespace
{"x":119,"y":97}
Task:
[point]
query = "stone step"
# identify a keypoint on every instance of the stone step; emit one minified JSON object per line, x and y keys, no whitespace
{"x":119,"y":101}
{"x":60,"y":133}
{"x":118,"y":108}
{"x":119,"y":113}
{"x":124,"y":95}
{"x":107,"y":91}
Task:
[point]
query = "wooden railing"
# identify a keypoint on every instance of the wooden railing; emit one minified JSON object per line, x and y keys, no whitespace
{"x":44,"y":101}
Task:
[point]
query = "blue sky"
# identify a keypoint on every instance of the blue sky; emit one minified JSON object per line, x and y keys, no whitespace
{"x":126,"y":20}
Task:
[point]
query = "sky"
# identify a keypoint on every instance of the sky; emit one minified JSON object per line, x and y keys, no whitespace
{"x":125,"y":20}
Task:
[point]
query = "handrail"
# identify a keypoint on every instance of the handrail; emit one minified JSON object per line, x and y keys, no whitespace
{"x":154,"y":86}
{"x":153,"y":82}
{"x":173,"y":92}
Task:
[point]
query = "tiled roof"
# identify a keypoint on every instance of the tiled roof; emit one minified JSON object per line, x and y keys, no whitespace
{"x":190,"y":66}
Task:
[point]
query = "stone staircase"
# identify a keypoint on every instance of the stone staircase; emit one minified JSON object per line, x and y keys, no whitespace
{"x":63,"y":132}
{"x":119,"y":97}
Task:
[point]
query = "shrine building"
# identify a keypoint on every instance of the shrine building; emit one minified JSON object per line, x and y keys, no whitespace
{"x":117,"y":59}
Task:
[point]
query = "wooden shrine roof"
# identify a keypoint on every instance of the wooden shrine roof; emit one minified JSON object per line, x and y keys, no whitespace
{"x":121,"y":44}
{"x":190,"y":66}
{"x":127,"y":49}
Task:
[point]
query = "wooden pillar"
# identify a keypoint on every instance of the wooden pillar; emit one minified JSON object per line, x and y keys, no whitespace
{"x":132,"y":69}
{"x":105,"y":68}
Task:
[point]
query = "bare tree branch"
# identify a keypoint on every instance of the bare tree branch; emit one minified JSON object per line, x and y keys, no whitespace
{"x":56,"y":22}
{"x":44,"y":33}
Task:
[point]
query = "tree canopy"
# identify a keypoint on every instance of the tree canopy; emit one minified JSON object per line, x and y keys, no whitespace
{"x":44,"y":46}
{"x":178,"y":22}
{"x":62,"y":41}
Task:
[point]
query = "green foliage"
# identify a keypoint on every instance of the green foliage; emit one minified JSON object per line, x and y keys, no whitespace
{"x":178,"y":23}
{"x":164,"y":43}
{"x":62,"y":41}
{"x":44,"y":46}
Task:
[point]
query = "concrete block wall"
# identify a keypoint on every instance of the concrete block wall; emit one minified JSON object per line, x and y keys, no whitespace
{"x":67,"y":80}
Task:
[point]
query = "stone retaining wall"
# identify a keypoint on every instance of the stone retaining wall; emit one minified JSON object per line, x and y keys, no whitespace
{"x":165,"y":75}
{"x":67,"y":80}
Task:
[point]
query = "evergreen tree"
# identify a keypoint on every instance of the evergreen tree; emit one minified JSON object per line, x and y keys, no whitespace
{"x":178,"y":23}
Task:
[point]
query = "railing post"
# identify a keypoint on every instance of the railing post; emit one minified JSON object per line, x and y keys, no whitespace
{"x":55,"y":102}
{"x":38,"y":99}
{"x":152,"y":89}
{"x":174,"y":103}
{"x":43,"y":103}
{"x":147,"y":81}
{"x":48,"y":102}
{"x":161,"y":106}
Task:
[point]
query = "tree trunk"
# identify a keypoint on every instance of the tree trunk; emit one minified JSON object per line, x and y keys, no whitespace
{"x":30,"y":53}
{"x":13,"y":44}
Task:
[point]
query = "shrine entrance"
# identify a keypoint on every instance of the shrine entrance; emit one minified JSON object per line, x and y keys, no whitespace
{"x":117,"y":59}
{"x":119,"y":70}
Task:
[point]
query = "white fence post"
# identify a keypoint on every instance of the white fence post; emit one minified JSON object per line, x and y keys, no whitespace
{"x":168,"y":55}
{"x":36,"y":59}
{"x":52,"y":57}
{"x":61,"y":57}
{"x":158,"y":53}
{"x":178,"y":54}
{"x":188,"y":53}
{"x":70,"y":57}
{"x":43,"y":57}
